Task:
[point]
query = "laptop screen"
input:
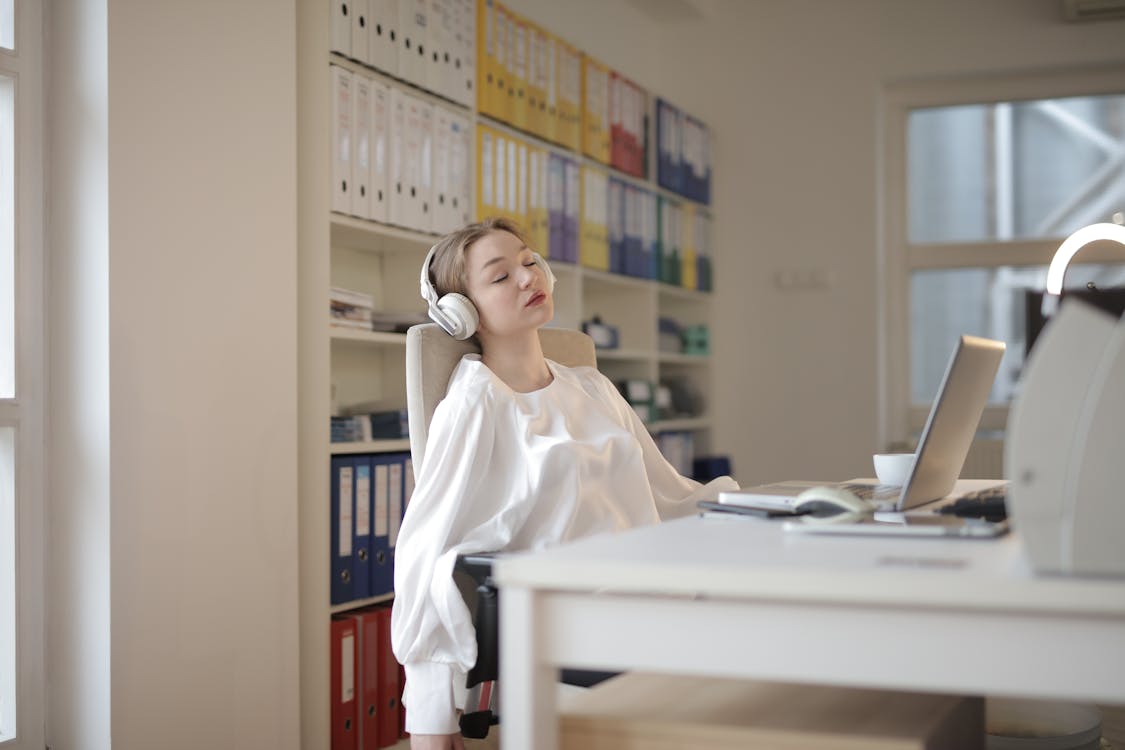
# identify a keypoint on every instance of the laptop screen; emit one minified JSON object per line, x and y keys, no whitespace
{"x":953,"y":420}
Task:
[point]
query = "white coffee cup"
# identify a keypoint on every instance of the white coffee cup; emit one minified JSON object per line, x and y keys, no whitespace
{"x":893,"y":468}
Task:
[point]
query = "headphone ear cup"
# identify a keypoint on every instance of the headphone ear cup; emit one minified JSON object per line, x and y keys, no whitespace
{"x":542,"y":263}
{"x":461,"y":314}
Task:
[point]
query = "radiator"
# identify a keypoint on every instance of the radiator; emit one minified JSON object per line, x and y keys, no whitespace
{"x":985,"y":460}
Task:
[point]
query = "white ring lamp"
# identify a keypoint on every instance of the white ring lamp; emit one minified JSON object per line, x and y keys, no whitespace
{"x":1067,"y":250}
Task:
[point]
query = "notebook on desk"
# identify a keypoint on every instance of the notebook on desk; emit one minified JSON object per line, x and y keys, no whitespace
{"x":945,"y":441}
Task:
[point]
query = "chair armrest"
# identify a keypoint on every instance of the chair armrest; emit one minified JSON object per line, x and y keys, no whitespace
{"x":486,"y":621}
{"x":480,"y":681}
{"x":477,"y":566}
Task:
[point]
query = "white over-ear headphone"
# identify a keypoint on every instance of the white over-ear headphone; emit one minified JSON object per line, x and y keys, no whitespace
{"x":455,"y":313}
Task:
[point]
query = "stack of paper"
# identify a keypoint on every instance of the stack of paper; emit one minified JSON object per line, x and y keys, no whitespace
{"x":350,"y":309}
{"x":396,"y":320}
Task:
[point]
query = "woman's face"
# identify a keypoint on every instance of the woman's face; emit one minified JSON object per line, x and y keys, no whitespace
{"x":509,"y":289}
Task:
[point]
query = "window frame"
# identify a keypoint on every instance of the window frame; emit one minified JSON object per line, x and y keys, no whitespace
{"x":26,"y":413}
{"x":897,"y":258}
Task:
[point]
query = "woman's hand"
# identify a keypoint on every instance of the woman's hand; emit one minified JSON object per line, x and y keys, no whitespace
{"x":436,"y":742}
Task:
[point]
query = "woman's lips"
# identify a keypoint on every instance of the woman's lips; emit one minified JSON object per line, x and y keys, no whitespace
{"x":536,"y":299}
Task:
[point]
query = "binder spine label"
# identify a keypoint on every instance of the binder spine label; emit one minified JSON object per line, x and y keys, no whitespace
{"x":486,"y":168}
{"x":381,"y":500}
{"x":363,"y":501}
{"x":521,"y":182}
{"x":344,"y":528}
{"x":512,"y":184}
{"x":498,"y":159}
{"x":347,"y":668}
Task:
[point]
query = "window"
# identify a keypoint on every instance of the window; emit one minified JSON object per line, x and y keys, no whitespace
{"x":1015,"y":170}
{"x":7,"y":25}
{"x":22,"y":374}
{"x":990,"y":302}
{"x":7,"y":584}
{"x":9,"y":412}
{"x":7,"y":239}
{"x":982,"y":179}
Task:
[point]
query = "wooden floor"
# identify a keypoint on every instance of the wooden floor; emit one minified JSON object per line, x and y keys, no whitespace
{"x":492,"y":743}
{"x":1113,"y":726}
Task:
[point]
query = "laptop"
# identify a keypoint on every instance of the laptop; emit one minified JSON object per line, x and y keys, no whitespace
{"x":942,"y":449}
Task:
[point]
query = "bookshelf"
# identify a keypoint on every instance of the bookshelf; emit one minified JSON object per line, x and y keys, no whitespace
{"x":371,"y":446}
{"x":340,"y":367}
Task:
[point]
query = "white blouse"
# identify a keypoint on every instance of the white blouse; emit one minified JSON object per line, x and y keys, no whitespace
{"x":507,"y":471}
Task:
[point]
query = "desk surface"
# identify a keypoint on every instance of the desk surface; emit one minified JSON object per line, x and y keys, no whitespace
{"x":754,"y":559}
{"x":742,"y":598}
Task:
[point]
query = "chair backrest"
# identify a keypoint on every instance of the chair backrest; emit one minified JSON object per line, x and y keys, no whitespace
{"x":432,"y":355}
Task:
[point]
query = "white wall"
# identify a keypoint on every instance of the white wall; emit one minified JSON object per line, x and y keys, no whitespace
{"x":791,"y":91}
{"x":173,"y":269}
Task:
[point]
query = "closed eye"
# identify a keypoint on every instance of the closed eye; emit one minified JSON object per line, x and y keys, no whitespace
{"x":504,"y":277}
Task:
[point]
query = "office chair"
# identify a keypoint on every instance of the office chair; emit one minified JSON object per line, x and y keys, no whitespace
{"x":431,"y":357}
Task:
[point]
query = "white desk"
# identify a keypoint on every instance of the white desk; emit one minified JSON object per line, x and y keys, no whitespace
{"x":740,"y":598}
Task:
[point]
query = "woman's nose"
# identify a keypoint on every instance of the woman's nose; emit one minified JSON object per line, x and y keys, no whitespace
{"x":527,"y":275}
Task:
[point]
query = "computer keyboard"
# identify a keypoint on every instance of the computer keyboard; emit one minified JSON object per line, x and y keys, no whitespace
{"x":875,"y":492}
{"x":989,"y":504}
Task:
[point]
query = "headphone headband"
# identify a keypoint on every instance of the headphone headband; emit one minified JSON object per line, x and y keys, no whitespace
{"x":426,"y":287}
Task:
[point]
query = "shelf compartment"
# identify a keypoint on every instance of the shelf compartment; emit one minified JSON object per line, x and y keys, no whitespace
{"x":625,"y":303}
{"x":367,"y":374}
{"x":376,"y":237}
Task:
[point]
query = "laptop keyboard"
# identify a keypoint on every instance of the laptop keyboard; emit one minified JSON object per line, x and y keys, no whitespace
{"x":989,"y":504}
{"x":875,"y":492}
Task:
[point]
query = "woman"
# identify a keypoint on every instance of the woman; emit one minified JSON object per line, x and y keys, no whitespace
{"x":522,"y":453}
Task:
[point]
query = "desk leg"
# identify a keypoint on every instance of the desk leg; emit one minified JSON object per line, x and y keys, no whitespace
{"x":528,"y":717}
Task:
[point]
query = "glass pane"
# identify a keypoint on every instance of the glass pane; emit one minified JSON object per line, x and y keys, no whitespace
{"x":7,"y":584}
{"x":1015,"y":170}
{"x":7,"y":24}
{"x":988,"y":302}
{"x":7,"y":240}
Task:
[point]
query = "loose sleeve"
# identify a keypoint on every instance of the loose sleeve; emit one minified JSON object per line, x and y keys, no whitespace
{"x":674,"y":494}
{"x":431,"y":630}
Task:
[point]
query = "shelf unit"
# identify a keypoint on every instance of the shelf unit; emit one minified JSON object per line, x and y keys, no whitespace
{"x":370,"y":446}
{"x":357,"y":603}
{"x":375,"y":338}
{"x":342,"y":367}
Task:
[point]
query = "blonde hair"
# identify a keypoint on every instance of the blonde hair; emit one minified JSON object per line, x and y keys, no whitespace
{"x":448,"y":267}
